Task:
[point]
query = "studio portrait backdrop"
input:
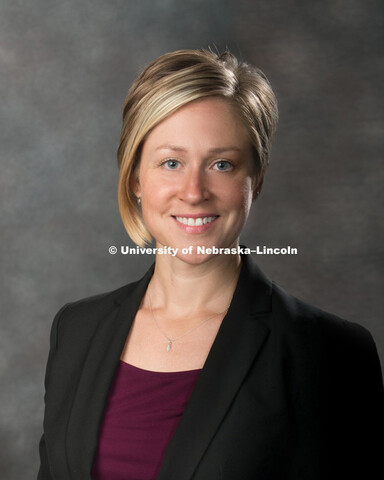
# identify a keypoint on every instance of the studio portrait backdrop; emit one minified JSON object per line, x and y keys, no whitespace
{"x":66,"y":68}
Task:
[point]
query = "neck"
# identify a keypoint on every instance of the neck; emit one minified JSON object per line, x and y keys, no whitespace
{"x":183,"y":289}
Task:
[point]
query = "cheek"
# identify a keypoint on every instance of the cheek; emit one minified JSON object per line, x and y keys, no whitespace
{"x":156,"y":202}
{"x":239,"y":195}
{"x":155,"y":193}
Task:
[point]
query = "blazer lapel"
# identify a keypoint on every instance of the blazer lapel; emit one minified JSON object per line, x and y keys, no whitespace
{"x":238,"y":342}
{"x":96,"y":378}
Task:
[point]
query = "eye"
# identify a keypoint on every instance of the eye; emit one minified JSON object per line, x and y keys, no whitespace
{"x":223,"y":165}
{"x":171,"y":164}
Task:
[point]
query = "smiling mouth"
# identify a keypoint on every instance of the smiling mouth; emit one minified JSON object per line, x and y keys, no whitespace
{"x":196,"y":222}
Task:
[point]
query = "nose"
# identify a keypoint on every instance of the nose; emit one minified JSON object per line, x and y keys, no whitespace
{"x":194,"y":188}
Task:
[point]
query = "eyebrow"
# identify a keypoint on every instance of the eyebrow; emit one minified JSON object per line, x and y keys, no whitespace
{"x":178,"y":148}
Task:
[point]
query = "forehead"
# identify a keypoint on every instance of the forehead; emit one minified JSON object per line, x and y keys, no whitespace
{"x":209,"y":123}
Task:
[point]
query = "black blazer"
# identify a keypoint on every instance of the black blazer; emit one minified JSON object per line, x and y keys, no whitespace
{"x":287,"y":391}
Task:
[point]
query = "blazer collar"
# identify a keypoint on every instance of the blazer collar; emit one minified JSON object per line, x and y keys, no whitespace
{"x":237,"y":344}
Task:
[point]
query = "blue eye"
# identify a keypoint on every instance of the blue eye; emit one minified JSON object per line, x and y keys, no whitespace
{"x":223,"y":165}
{"x":171,"y":164}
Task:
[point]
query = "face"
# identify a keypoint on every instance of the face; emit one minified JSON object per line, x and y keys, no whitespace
{"x":196,"y":178}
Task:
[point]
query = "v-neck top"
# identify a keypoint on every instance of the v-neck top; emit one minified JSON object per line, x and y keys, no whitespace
{"x":140,"y":417}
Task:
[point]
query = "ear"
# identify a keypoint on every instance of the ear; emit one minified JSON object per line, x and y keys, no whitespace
{"x":134,"y":183}
{"x":258,"y":184}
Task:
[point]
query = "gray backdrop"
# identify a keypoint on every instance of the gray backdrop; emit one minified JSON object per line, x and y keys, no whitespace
{"x":65,"y":69}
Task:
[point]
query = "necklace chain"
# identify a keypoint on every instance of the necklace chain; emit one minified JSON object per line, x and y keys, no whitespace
{"x":172,"y":340}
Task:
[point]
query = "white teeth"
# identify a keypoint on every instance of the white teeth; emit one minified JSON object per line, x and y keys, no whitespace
{"x":195,"y":222}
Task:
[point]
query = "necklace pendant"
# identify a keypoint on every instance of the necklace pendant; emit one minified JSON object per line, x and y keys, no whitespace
{"x":169,"y":346}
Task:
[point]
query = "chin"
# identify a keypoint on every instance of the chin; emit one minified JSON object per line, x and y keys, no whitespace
{"x":194,"y":258}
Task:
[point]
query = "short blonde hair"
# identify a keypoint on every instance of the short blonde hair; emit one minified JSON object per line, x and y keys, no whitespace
{"x":170,"y":82}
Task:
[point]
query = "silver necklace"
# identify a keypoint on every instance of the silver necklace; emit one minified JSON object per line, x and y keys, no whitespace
{"x":172,"y":340}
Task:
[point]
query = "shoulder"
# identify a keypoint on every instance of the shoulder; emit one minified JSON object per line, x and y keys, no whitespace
{"x":334,"y":372}
{"x":315,"y":330}
{"x":300,"y":315}
{"x":297,"y":323}
{"x":336,"y":357}
{"x":97,"y":303}
{"x":83,"y":315}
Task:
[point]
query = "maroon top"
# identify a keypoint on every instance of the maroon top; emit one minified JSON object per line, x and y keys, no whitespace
{"x":140,"y":418}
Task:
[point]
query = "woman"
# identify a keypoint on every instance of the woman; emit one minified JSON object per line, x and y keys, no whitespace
{"x":204,"y":369}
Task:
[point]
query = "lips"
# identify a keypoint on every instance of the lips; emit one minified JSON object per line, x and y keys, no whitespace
{"x":195,"y":224}
{"x":195,"y":221}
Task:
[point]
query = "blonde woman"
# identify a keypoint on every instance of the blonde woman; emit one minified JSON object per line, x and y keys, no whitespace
{"x":204,"y":369}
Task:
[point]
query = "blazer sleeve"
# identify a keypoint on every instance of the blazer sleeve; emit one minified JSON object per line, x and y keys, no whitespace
{"x":358,"y":419}
{"x":367,"y":418}
{"x":45,"y":470}
{"x":339,"y":413}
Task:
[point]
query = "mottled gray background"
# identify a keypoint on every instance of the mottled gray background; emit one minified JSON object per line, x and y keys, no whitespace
{"x":65,"y":69}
